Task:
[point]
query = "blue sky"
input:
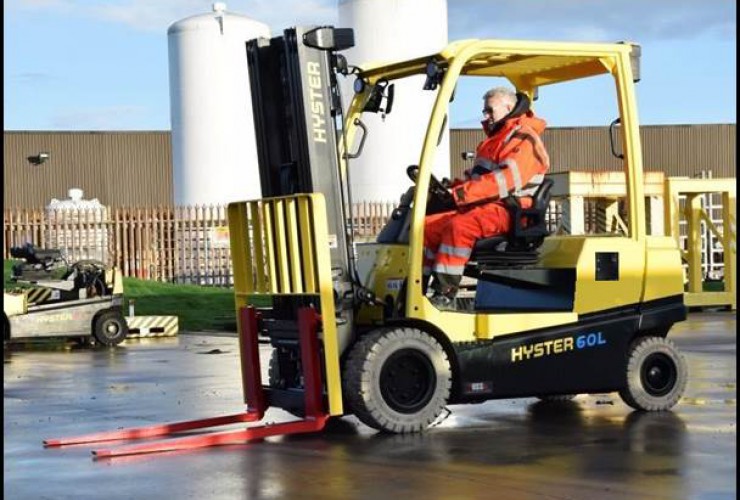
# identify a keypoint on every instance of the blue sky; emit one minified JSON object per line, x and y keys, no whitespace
{"x":102,"y":65}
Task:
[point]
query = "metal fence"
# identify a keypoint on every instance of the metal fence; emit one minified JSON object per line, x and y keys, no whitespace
{"x":187,"y":244}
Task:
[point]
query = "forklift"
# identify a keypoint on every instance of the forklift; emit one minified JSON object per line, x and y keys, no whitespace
{"x":551,"y":316}
{"x":54,"y":299}
{"x":351,"y":326}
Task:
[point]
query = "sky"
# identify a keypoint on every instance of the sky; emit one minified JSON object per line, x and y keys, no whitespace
{"x":102,"y":65}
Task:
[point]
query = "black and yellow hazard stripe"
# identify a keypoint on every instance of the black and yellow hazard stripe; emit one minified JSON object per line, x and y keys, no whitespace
{"x":152,"y":326}
{"x":38,"y":295}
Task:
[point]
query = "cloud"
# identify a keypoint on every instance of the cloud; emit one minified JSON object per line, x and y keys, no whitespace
{"x":593,"y":20}
{"x":104,"y":118}
{"x":146,"y":15}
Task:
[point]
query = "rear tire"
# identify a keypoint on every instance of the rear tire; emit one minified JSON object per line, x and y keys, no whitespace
{"x":656,"y":375}
{"x":110,"y":328}
{"x":397,"y":380}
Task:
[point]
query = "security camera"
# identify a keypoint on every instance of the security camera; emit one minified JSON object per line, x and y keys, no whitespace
{"x":39,"y":158}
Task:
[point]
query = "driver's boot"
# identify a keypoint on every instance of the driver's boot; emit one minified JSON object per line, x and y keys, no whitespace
{"x":445,"y":289}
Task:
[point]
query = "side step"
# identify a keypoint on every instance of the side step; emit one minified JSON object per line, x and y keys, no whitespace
{"x":254,"y":394}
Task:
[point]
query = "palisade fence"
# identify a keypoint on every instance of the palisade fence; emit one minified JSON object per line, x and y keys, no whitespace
{"x":187,"y":244}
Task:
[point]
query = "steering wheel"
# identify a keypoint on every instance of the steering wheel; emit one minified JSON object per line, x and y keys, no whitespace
{"x":436,"y":189}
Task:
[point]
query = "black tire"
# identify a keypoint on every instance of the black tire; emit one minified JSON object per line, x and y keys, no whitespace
{"x":397,"y":380}
{"x":656,"y":375}
{"x":282,"y":381}
{"x":110,"y":328}
{"x":6,"y":328}
{"x":273,"y":372}
{"x":552,"y":398}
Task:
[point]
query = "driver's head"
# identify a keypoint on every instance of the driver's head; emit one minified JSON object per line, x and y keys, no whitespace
{"x":497,"y":103}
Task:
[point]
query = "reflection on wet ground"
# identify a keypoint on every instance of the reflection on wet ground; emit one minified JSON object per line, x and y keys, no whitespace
{"x":592,"y":447}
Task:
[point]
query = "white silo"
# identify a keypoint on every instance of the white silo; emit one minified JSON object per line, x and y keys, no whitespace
{"x":214,"y":152}
{"x":388,"y":30}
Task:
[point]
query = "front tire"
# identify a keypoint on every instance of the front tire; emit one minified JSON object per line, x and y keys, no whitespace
{"x":110,"y":328}
{"x":656,"y":375}
{"x":397,"y":380}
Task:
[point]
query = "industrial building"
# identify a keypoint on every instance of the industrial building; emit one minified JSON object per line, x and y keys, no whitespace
{"x":135,"y":168}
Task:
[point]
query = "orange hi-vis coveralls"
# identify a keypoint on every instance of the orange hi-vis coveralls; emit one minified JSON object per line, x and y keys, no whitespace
{"x":511,"y":162}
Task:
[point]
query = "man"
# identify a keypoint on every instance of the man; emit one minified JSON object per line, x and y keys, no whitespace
{"x":511,"y":161}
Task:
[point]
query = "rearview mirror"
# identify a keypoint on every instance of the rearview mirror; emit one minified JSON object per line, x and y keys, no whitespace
{"x":378,"y":92}
{"x":389,"y":98}
{"x":372,"y":105}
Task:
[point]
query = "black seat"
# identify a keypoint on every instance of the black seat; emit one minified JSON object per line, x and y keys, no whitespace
{"x":528,"y":231}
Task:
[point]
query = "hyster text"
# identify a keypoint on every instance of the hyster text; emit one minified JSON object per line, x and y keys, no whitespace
{"x":556,"y":346}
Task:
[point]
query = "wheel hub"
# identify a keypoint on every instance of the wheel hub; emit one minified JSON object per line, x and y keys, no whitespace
{"x":658,"y":374}
{"x":407,"y":381}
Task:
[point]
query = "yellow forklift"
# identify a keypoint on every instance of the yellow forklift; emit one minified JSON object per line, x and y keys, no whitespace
{"x":351,"y":326}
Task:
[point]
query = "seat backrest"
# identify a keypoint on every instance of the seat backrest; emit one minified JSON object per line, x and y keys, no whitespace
{"x":529,"y":225}
{"x":541,"y":197}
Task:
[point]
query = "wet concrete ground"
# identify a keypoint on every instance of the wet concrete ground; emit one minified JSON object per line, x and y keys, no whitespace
{"x":591,"y":448}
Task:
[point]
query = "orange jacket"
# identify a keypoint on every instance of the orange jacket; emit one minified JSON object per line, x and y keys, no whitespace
{"x":512,"y":161}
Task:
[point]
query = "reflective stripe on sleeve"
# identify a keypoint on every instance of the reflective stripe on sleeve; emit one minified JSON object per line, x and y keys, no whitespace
{"x":503,"y":188}
{"x":514,"y":167}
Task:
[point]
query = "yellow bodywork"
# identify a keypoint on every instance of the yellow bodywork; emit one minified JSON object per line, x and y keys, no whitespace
{"x":279,"y":246}
{"x":14,"y":304}
{"x":640,"y":279}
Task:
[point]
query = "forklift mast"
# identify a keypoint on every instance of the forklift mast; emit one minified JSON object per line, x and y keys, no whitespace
{"x":296,"y":104}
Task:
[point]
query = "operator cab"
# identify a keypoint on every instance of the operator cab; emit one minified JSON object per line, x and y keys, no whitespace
{"x":504,"y":271}
{"x":518,"y":248}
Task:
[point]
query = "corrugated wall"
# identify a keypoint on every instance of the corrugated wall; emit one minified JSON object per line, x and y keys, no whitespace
{"x":135,"y":168}
{"x":677,"y":150}
{"x":118,"y":168}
